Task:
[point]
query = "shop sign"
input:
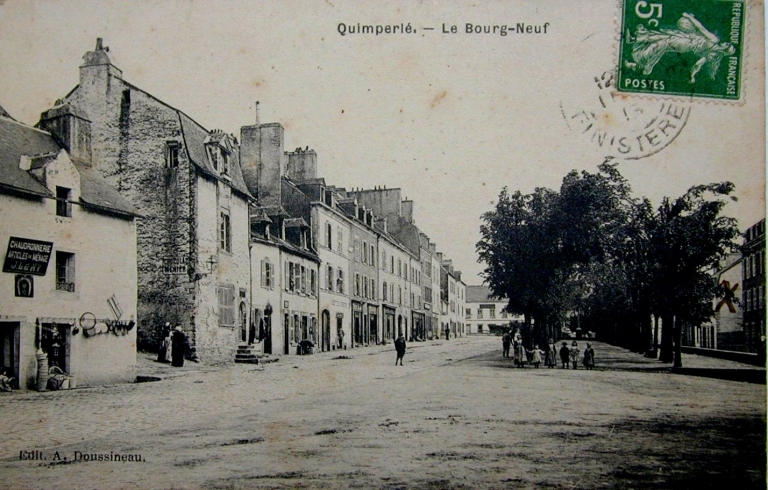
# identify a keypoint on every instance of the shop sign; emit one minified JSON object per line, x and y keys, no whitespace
{"x":27,"y":256}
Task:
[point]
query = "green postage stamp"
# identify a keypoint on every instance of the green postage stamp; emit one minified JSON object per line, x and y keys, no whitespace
{"x":682,"y":47}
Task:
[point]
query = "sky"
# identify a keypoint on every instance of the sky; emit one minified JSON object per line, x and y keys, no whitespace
{"x":448,"y":118}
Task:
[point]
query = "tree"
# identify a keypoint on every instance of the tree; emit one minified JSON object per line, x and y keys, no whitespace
{"x":689,"y":240}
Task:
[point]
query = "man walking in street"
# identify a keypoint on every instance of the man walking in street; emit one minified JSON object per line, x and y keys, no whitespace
{"x":400,"y":349}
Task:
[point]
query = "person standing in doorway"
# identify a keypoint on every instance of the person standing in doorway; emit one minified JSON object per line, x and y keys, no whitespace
{"x":400,"y":349}
{"x":178,"y":347}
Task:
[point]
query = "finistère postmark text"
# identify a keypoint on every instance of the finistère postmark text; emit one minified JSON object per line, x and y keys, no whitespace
{"x":683,"y":48}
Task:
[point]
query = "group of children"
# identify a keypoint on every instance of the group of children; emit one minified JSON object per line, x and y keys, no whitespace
{"x":568,"y":356}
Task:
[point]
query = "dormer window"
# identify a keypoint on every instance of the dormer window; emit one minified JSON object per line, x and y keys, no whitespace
{"x":63,"y":205}
{"x":219,"y":158}
{"x":214,"y":154}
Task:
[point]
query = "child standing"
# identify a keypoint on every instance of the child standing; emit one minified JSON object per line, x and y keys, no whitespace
{"x":589,"y":357}
{"x":536,"y":356}
{"x":574,"y":354}
{"x":564,"y":355}
{"x":551,"y":357}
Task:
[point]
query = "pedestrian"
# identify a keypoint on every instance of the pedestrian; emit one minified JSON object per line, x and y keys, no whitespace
{"x":165,"y":344}
{"x":178,"y":346}
{"x":519,"y":353}
{"x":574,"y":354}
{"x":564,"y":355}
{"x":550,"y":359}
{"x":589,"y":357}
{"x":6,"y":381}
{"x":400,"y":349}
{"x":505,"y":340}
{"x":535,"y":355}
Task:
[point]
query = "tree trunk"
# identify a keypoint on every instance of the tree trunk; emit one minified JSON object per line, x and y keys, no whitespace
{"x":655,"y":340}
{"x":667,"y":332}
{"x":678,"y":331}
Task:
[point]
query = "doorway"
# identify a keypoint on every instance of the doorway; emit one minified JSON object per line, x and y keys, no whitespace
{"x":326,"y":325}
{"x":286,"y":333}
{"x":9,"y":351}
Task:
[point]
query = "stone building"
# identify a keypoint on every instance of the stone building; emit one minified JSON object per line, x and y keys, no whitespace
{"x":185,"y":180}
{"x":453,"y":294}
{"x":68,"y":290}
{"x":753,"y":293}
{"x":363,"y":273}
{"x":395,"y":312}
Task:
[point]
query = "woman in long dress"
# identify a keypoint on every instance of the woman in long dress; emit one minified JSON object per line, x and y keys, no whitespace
{"x":178,"y":346}
{"x":550,"y":360}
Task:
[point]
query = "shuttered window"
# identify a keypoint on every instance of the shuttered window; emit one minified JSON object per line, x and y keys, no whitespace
{"x":226,"y":295}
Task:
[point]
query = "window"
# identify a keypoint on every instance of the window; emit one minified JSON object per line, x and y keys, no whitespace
{"x":225,"y":233}
{"x":312,"y":282}
{"x":340,"y":282}
{"x":65,"y":271}
{"x":340,"y":239}
{"x":365,"y":287}
{"x":372,"y":262}
{"x":214,"y":155}
{"x":399,"y":268}
{"x":391,"y":265}
{"x":328,"y":236}
{"x":364,"y":253}
{"x":330,"y":278}
{"x":384,"y":291}
{"x":266,"y":274}
{"x":391,"y":292}
{"x":373,"y":288}
{"x":63,"y":206}
{"x":479,"y":313}
{"x":226,"y":295}
{"x":303,"y":279}
{"x":399,"y":295}
{"x":171,"y":154}
{"x":493,"y":312}
{"x":288,"y":274}
{"x":383,"y":260}
{"x":405,"y":270}
{"x":224,"y":163}
{"x":357,"y":284}
{"x":291,"y":275}
{"x":356,"y":249}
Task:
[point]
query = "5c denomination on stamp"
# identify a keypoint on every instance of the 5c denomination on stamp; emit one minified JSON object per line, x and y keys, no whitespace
{"x":679,"y":47}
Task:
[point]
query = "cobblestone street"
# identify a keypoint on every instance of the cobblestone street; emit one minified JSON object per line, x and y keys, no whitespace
{"x":456,"y":415}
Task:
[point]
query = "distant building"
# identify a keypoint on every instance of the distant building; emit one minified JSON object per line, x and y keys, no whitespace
{"x":68,"y":290}
{"x":753,"y":292}
{"x":485,"y":313}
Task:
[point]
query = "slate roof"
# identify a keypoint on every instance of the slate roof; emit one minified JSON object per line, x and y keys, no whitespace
{"x":96,"y":193}
{"x":481,"y":294}
{"x":17,"y":139}
{"x":194,"y":139}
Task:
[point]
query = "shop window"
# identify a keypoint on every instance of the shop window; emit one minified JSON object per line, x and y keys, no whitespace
{"x":65,"y":271}
{"x":63,"y":204}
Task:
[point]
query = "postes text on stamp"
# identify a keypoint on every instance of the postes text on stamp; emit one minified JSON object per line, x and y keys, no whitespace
{"x":679,"y":47}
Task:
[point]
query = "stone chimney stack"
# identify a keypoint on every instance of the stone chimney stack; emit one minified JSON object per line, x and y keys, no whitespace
{"x":262,"y":159}
{"x":406,"y":210}
{"x":302,"y":164}
{"x":71,"y":129}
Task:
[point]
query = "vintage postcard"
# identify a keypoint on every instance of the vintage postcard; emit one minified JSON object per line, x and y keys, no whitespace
{"x":412,"y":244}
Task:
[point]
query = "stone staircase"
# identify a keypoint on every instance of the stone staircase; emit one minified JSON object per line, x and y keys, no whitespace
{"x":247,"y":354}
{"x":250,"y":354}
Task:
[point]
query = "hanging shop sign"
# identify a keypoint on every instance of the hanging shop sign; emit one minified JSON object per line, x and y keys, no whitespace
{"x":27,"y":256}
{"x":24,"y":286}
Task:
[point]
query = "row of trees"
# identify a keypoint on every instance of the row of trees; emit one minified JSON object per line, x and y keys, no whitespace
{"x":595,"y":253}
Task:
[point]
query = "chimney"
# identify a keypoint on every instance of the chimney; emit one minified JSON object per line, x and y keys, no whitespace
{"x":71,"y":129}
{"x":302,"y":164}
{"x":406,"y":210}
{"x":262,"y":160}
